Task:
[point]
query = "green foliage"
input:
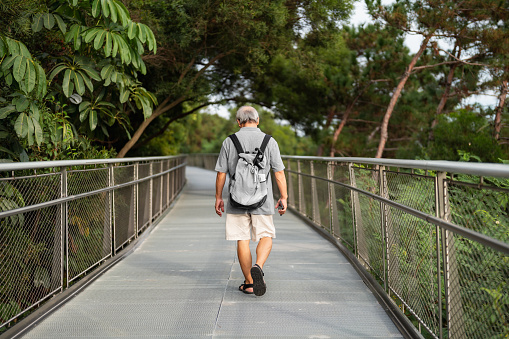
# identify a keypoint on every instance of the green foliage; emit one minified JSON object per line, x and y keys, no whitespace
{"x":463,"y":131}
{"x":98,"y":56}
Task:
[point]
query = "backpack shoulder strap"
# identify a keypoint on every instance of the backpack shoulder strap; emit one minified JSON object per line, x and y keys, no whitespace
{"x":265,"y":141}
{"x":236,"y":142}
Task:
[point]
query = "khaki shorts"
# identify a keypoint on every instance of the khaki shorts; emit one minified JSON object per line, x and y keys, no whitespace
{"x":249,"y":226}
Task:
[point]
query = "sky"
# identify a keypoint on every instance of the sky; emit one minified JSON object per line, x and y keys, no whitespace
{"x":360,"y":16}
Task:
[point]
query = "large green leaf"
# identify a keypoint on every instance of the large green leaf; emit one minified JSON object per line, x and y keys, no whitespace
{"x":8,"y":79}
{"x":152,"y":43}
{"x":113,"y":11}
{"x":49,"y":20}
{"x":58,"y":68}
{"x":39,"y":136}
{"x":105,"y":8}
{"x":91,"y":72}
{"x":106,"y":72}
{"x":89,"y":35}
{"x":71,"y":33}
{"x":4,"y":49}
{"x":78,"y":83}
{"x":86,"y":80}
{"x":123,"y":12}
{"x":21,"y":125}
{"x":22,"y":103}
{"x":108,"y":45}
{"x":142,"y":33}
{"x":96,"y":8}
{"x":60,"y":23}
{"x":30,"y":132}
{"x":23,"y":50}
{"x":77,"y":38}
{"x":19,"y":68}
{"x":99,"y":39}
{"x":65,"y":83}
{"x":41,"y":82}
{"x":139,"y":45}
{"x":13,"y":46}
{"x":84,"y":105}
{"x":30,"y":76}
{"x":124,"y":95}
{"x":5,"y":111}
{"x":92,"y":118}
{"x":8,"y":62}
{"x":38,"y":22}
{"x":132,"y":29}
{"x":115,"y":45}
{"x":84,"y":114}
{"x":34,"y":111}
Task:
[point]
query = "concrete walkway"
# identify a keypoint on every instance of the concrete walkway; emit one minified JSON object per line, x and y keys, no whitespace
{"x":182,"y":282}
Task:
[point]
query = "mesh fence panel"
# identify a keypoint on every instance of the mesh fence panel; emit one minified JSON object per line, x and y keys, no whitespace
{"x":293,"y":182}
{"x":124,"y":205}
{"x":30,"y":253}
{"x":412,"y":247}
{"x":343,"y":221}
{"x":370,"y":239}
{"x":39,"y":255}
{"x":478,"y":293}
{"x":321,"y":210}
{"x":165,"y":179}
{"x":89,"y":228}
{"x":156,"y":190}
{"x":144,"y":197}
{"x":306,"y":198}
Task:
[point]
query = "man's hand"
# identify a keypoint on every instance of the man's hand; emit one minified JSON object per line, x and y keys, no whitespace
{"x":219,"y":206}
{"x":220,"y":180}
{"x":281,"y":205}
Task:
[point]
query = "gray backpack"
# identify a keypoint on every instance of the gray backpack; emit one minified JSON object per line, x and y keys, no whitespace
{"x":248,"y":186}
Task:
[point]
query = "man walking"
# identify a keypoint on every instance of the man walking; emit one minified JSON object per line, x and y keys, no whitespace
{"x":256,"y":223}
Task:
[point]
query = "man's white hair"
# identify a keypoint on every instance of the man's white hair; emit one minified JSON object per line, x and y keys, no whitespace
{"x":247,"y":113}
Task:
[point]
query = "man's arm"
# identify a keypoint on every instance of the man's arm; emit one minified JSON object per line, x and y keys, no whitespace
{"x":281,"y":185}
{"x":220,"y":180}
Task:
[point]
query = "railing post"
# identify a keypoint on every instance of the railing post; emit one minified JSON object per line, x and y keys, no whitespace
{"x":150,"y":193}
{"x":453,"y":300}
{"x":302,"y":209}
{"x":291,"y":197}
{"x":359,"y":239}
{"x":384,"y":223}
{"x":314,"y":196}
{"x":333,"y":213}
{"x":168,"y":176}
{"x":161,"y":187}
{"x":111,"y":212}
{"x":136,"y":198}
{"x":439,"y":213}
{"x":65,"y":227}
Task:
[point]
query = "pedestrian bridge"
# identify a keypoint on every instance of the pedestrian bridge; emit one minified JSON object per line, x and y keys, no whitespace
{"x":371,"y":249}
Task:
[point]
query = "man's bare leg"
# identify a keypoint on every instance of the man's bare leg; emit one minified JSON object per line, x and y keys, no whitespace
{"x":263,"y":250}
{"x":245,"y":260}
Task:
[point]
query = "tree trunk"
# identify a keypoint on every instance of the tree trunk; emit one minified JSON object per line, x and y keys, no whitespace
{"x":163,"y":107}
{"x":500,"y":109}
{"x":330,"y":116}
{"x":445,"y":95}
{"x":339,"y":129}
{"x":396,"y":95}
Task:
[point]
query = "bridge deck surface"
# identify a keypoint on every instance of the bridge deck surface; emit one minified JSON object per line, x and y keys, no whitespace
{"x":182,"y":281}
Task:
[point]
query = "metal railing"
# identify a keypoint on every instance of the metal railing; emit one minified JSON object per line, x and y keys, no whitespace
{"x":60,"y":219}
{"x":433,"y":234}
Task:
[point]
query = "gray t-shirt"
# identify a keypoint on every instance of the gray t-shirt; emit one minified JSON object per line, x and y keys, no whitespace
{"x":250,"y":138}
